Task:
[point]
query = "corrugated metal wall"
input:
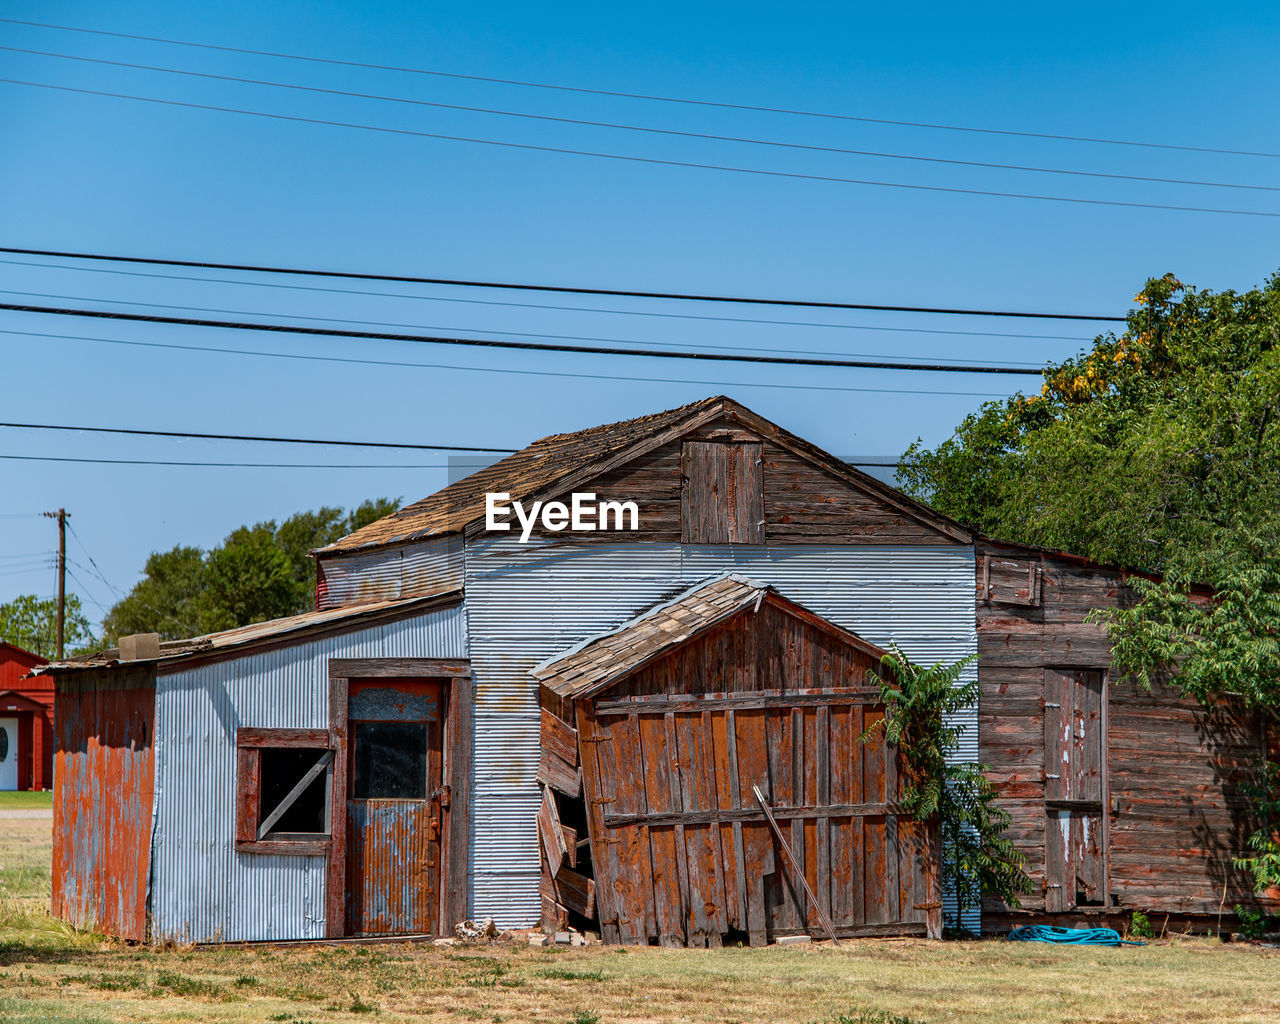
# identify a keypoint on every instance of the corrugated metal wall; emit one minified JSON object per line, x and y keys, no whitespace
{"x":389,"y":574}
{"x":526,"y":602}
{"x":203,"y":891}
{"x":102,"y":807}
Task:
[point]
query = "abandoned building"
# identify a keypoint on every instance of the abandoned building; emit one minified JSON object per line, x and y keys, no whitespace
{"x":26,"y":721}
{"x":653,"y":730}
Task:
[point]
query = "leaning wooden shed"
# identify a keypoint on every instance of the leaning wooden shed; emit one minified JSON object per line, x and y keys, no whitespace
{"x":715,"y":749}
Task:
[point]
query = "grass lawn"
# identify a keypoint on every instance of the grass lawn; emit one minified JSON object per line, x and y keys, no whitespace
{"x":12,"y":800}
{"x":50,"y":973}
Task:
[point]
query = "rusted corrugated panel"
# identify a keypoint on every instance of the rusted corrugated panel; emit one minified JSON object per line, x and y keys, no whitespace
{"x":389,"y":574}
{"x":103,"y":785}
{"x":204,"y":890}
{"x":527,"y":602}
{"x":393,"y":852}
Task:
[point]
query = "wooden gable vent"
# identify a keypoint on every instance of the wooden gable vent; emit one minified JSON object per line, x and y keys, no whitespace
{"x":721,"y":493}
{"x":1011,"y":580}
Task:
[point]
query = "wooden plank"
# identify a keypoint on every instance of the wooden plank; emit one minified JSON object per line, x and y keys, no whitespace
{"x":558,"y":773}
{"x":799,"y":784}
{"x":554,"y":847}
{"x":823,"y":882}
{"x":722,"y":887}
{"x":594,"y":779}
{"x":631,"y":848}
{"x":728,"y":799}
{"x":336,"y":873}
{"x":750,"y":814}
{"x":751,"y":766}
{"x":739,"y":701}
{"x":456,"y":768}
{"x":875,"y":901}
{"x":796,"y":867}
{"x":655,"y":762}
{"x":412,"y":668}
{"x":1057,"y":711}
{"x":1057,"y":841}
{"x":248,"y":793}
{"x":677,"y":803}
{"x":559,"y":737}
{"x":571,"y":890}
{"x":291,"y":738}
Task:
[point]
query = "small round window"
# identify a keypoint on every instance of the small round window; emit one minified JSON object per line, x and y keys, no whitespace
{"x":4,"y":744}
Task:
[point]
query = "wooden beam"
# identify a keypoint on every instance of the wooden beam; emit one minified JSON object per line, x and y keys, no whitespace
{"x":458,"y":745}
{"x":796,"y":867}
{"x":422,"y":668}
{"x":282,"y":738}
{"x":739,"y":702}
{"x":726,"y":815}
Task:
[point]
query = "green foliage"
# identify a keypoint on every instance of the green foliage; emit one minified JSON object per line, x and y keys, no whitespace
{"x":1140,"y":926}
{"x":917,"y":702}
{"x":1264,"y":842}
{"x":32,"y":624}
{"x":258,"y":572}
{"x":1253,"y":922}
{"x":872,"y":1017}
{"x":1156,"y":449}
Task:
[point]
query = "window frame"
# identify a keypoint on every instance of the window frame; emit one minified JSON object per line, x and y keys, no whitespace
{"x":250,"y":743}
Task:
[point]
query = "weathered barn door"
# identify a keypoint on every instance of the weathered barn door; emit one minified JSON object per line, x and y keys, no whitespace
{"x":689,"y":856}
{"x":1075,"y":789}
{"x":393,"y":806}
{"x":677,"y":717}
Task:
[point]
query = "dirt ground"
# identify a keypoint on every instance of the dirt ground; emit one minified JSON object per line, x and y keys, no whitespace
{"x":50,"y":973}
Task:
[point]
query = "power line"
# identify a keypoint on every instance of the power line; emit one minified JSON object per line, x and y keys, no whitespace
{"x":564,"y":289}
{"x":657,"y":161}
{"x":645,"y":129}
{"x":252,"y":437}
{"x":501,"y":369}
{"x":335,"y":332}
{"x":232,"y":465}
{"x":517,"y":305}
{"x":756,"y":108}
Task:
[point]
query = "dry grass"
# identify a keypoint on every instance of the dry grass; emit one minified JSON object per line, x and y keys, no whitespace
{"x":25,"y":851}
{"x":83,"y":978}
{"x":48,"y":972}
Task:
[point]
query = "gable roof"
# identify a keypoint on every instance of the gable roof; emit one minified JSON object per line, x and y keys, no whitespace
{"x":599,"y":661}
{"x":12,"y":652}
{"x":558,"y":463}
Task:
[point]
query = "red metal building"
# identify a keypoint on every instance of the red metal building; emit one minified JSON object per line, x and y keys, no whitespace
{"x":26,"y":721}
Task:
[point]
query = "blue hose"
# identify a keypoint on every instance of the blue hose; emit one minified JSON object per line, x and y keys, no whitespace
{"x":1069,"y":936}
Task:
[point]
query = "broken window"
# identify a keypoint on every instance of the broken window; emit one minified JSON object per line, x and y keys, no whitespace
{"x":284,"y":788}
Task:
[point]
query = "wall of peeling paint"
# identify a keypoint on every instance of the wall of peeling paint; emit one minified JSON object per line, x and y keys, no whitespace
{"x":104,"y":773}
{"x":528,"y":601}
{"x":204,"y":891}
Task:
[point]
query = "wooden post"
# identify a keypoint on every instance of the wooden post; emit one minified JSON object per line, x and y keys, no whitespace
{"x":61,"y":516}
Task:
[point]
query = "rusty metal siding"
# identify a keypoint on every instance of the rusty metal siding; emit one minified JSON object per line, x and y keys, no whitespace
{"x":527,"y":602}
{"x":203,"y":890}
{"x":389,"y":574}
{"x":102,"y":808}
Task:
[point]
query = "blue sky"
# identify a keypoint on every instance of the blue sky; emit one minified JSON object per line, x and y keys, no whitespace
{"x":91,"y":173}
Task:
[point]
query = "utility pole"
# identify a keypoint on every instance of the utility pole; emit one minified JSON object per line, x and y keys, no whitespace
{"x":61,"y":516}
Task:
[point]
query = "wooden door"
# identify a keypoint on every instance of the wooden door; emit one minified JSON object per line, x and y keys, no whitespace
{"x":393,"y":807}
{"x":1074,"y":785}
{"x":684,"y":854}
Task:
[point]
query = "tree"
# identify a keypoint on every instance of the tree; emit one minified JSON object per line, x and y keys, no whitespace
{"x":917,"y":703}
{"x":258,"y":572}
{"x":1156,"y":449}
{"x":32,"y":624}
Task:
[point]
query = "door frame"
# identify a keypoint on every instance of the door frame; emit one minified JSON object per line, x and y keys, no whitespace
{"x":457,"y":691}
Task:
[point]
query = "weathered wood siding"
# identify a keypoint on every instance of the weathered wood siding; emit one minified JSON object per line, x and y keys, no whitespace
{"x":1172,"y":803}
{"x":802,"y":503}
{"x":681,"y":851}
